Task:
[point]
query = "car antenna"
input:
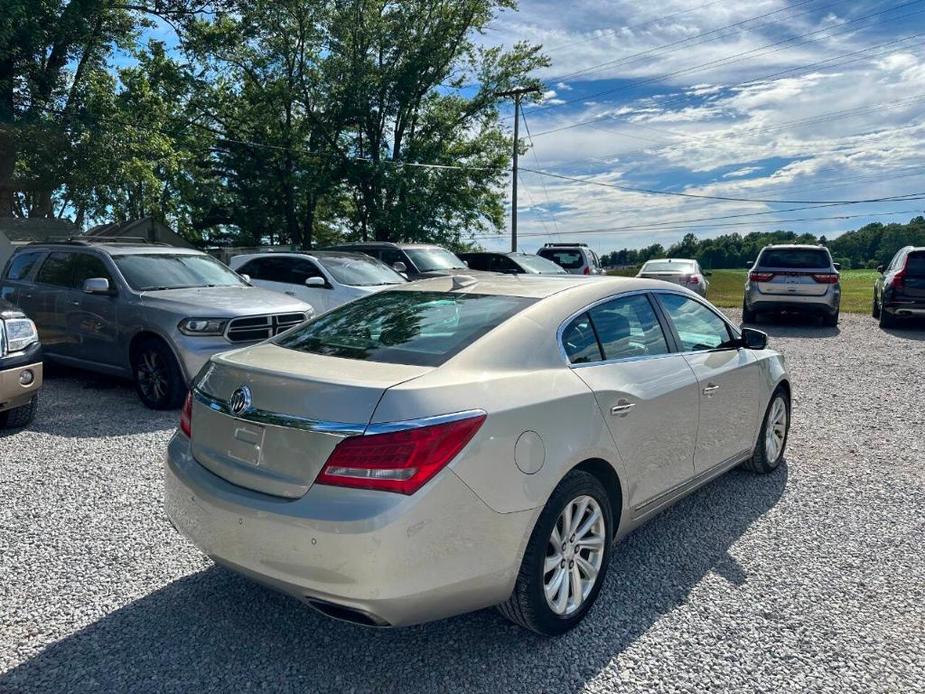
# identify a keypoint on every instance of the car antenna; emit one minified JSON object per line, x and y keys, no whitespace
{"x":460,"y":281}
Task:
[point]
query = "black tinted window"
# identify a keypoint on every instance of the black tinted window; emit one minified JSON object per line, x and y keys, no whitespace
{"x":57,"y":269}
{"x":628,"y":327}
{"x":476,"y":261}
{"x":417,"y":328}
{"x":281,"y":269}
{"x":21,"y":265}
{"x":86,"y":266}
{"x":915,"y":264}
{"x":580,"y":342}
{"x":797,"y":258}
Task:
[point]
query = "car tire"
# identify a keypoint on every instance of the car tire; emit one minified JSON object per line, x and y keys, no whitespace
{"x":528,"y":605}
{"x":19,"y":417}
{"x":875,"y":307}
{"x":748,"y":316}
{"x":830,"y":320}
{"x":158,"y":380}
{"x":766,"y":457}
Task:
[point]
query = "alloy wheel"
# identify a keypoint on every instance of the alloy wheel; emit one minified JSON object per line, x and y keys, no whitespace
{"x":574,"y":554}
{"x":151,"y":372}
{"x":776,"y":430}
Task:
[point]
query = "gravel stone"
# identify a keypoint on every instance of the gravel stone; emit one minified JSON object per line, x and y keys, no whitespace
{"x":809,"y":579}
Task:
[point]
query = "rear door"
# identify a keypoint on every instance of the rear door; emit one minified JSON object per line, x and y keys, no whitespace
{"x":17,"y":281}
{"x":729,"y":380}
{"x":52,"y":282}
{"x":648,"y":395}
{"x":782,"y":272}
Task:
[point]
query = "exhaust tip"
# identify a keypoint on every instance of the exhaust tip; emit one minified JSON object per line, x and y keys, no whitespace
{"x":343,"y":613}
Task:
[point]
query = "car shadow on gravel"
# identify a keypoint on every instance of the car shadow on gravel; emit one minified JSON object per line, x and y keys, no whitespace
{"x":216,"y":631}
{"x":793,"y":325}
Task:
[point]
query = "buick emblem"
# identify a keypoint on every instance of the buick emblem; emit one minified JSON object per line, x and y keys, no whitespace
{"x":240,"y":400}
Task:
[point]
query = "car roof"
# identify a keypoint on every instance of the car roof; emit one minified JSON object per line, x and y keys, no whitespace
{"x":530,"y":286}
{"x":670,"y":260}
{"x":320,"y":255}
{"x":114,"y":248}
{"x":790,"y":246}
{"x":382,"y":244}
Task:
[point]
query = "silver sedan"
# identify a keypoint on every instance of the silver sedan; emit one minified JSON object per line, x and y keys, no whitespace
{"x":455,"y":443}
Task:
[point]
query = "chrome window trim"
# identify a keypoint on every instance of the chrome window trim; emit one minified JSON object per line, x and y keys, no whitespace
{"x":564,"y":324}
{"x":321,"y":426}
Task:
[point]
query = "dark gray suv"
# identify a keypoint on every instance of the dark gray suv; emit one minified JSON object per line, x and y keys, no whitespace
{"x":151,"y":313}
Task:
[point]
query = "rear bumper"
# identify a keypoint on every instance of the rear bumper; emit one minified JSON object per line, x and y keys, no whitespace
{"x":825,"y":304}
{"x":397,"y":559}
{"x":905,"y":307}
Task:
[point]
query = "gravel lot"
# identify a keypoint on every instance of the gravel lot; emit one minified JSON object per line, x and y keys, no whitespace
{"x":811,"y":579}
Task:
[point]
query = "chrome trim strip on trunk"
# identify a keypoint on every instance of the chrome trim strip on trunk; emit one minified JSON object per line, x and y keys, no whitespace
{"x":321,"y":426}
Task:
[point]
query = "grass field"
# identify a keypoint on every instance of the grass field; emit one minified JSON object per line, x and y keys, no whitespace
{"x":727,"y":288}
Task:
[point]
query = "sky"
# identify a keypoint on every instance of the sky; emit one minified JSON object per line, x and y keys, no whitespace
{"x":775,"y":100}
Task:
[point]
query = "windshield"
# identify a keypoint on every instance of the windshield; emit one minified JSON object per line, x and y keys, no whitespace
{"x":666,"y":266}
{"x":360,"y":271}
{"x":416,"y":328}
{"x":570,"y":260}
{"x":534,"y":263}
{"x":146,"y":272}
{"x":430,"y":259}
{"x":796,"y":258}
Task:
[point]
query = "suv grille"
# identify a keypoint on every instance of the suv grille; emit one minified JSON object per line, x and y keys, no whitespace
{"x":256,"y":328}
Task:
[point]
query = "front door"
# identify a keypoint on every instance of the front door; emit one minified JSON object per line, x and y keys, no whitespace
{"x":91,"y":319}
{"x":728,"y":377}
{"x":648,"y":396}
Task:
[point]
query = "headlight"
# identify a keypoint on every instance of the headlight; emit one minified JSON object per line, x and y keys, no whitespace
{"x":20,"y":333}
{"x":202,"y":326}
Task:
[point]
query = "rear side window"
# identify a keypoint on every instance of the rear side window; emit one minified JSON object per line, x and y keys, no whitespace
{"x":580,"y":342}
{"x":915,"y":264}
{"x":796,"y":258}
{"x":408,"y":327}
{"x":628,"y":327}
{"x":57,"y":269}
{"x":21,"y":265}
{"x":570,"y":260}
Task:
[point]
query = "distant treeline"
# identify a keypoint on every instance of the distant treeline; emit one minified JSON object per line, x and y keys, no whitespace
{"x":867,"y":247}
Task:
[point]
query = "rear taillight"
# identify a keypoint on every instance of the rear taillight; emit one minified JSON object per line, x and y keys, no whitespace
{"x":761,"y":276}
{"x":692,"y":279}
{"x":186,"y":416}
{"x":401,"y":461}
{"x":826,"y":278}
{"x":899,"y":279}
{"x":587,"y":270}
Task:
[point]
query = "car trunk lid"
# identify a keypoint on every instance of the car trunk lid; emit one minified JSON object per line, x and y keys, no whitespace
{"x":781,"y":281}
{"x":294,"y":413}
{"x":673,"y":277}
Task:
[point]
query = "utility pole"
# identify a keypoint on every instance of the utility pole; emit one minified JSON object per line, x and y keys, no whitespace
{"x":517,"y":94}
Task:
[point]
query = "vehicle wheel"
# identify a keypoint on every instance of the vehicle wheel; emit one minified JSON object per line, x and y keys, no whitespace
{"x":887,"y":320}
{"x":566,"y":559}
{"x":830,"y":321}
{"x":875,"y":308}
{"x":748,"y":316}
{"x":772,"y":440}
{"x":158,"y":380}
{"x":19,"y":417}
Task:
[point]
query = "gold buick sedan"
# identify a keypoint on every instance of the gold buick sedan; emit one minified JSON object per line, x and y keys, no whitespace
{"x":459,"y":443}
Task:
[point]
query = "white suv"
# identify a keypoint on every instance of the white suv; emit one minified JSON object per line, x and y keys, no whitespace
{"x":574,"y":258}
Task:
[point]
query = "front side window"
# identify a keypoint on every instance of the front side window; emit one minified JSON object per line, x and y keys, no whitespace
{"x":21,"y":265}
{"x":628,"y":327}
{"x":89,"y":266}
{"x":501,"y":263}
{"x":154,"y":271}
{"x":404,"y":327}
{"x":698,"y":327}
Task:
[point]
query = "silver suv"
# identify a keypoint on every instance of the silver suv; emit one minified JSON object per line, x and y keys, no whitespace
{"x":574,"y":258}
{"x":797,"y":278}
{"x":152,"y":313}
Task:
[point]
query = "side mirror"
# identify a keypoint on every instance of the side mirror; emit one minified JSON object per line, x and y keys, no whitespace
{"x":748,"y":264}
{"x":399,"y":266}
{"x":754,"y":339}
{"x":315,"y":282}
{"x":837,"y":266}
{"x":96,"y":285}
{"x":880,"y":269}
{"x":246,"y":278}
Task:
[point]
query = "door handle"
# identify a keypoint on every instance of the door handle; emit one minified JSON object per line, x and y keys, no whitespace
{"x":622,"y":409}
{"x":710,"y":389}
{"x":75,"y":303}
{"x":290,"y":293}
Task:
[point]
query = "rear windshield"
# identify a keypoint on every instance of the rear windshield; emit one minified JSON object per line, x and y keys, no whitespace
{"x":570,"y":260}
{"x":665,"y":266}
{"x":433,"y":259}
{"x":797,"y":258}
{"x":915,"y":264}
{"x":416,"y":328}
{"x":360,"y":270}
{"x":535,"y":263}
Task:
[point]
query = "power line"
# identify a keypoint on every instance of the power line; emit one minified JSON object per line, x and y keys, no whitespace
{"x":537,"y":161}
{"x":721,"y":198}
